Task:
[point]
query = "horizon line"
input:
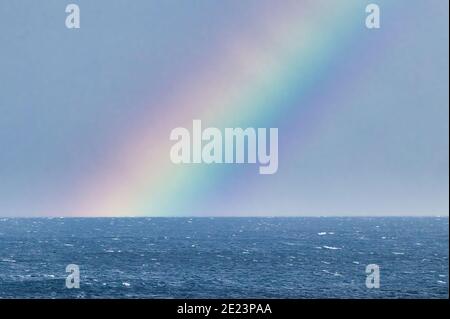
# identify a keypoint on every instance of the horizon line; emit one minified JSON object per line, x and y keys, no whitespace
{"x":223,"y":216}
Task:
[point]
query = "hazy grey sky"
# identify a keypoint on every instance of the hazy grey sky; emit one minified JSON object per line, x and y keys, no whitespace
{"x":362,"y":117}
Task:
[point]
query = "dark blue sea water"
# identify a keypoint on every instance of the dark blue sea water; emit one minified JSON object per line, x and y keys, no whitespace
{"x":224,"y":257}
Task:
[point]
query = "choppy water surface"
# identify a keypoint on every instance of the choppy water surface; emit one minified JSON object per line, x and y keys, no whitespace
{"x":224,"y":257}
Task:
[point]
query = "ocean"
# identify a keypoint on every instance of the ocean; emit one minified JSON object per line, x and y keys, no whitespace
{"x":322,"y":257}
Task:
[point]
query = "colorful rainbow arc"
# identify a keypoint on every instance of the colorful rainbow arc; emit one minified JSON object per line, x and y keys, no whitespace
{"x":255,"y":81}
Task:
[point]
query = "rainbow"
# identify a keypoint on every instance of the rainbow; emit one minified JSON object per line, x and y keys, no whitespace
{"x":259,"y":78}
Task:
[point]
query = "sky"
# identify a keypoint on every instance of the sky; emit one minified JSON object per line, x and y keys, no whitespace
{"x":86,"y":114}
